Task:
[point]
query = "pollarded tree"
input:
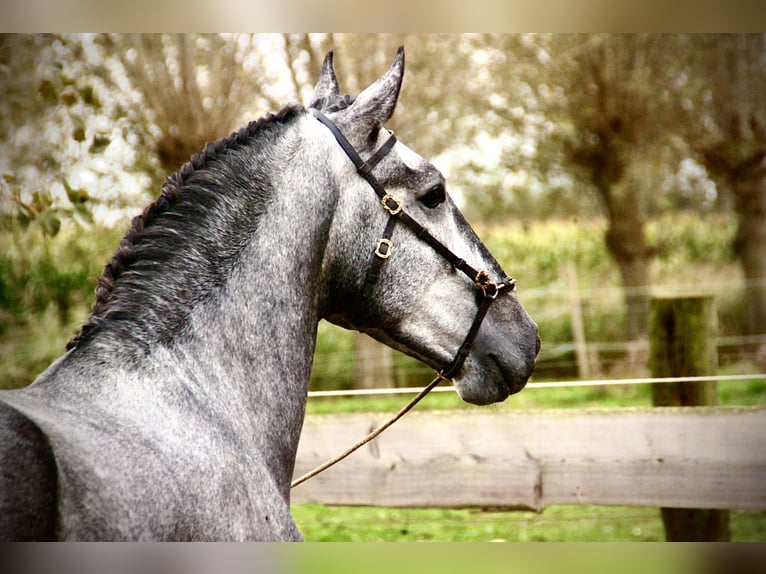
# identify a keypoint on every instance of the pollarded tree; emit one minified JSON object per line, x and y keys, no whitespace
{"x":605,"y":107}
{"x":726,"y":125}
{"x":614,"y":98}
{"x":594,"y":108}
{"x":185,"y":90}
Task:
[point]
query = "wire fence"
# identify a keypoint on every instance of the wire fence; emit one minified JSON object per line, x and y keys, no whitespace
{"x":597,"y":350}
{"x":609,"y":360}
{"x":615,"y":363}
{"x":544,"y":385}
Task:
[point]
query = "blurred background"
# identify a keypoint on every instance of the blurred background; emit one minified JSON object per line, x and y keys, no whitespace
{"x":599,"y":169}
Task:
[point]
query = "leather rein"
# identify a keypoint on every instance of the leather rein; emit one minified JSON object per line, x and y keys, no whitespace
{"x":487,"y":290}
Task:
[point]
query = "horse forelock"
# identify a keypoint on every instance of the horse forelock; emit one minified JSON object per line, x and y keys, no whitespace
{"x":175,"y":188}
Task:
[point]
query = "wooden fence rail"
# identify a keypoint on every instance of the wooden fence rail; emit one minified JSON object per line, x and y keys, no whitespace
{"x":693,"y":457}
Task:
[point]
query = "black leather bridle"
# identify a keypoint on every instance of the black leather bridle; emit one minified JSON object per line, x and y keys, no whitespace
{"x":489,"y":291}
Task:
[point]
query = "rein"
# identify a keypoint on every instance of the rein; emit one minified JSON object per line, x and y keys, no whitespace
{"x":489,"y":291}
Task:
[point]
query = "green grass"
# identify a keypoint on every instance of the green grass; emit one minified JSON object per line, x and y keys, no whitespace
{"x":575,"y":397}
{"x":558,"y":523}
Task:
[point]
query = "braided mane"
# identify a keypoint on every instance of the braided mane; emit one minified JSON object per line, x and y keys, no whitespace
{"x":172,"y":191}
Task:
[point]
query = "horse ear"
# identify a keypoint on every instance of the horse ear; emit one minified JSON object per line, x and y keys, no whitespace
{"x":327,"y":85}
{"x":375,"y":105}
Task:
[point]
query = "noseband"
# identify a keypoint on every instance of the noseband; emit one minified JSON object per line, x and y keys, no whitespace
{"x":489,"y":291}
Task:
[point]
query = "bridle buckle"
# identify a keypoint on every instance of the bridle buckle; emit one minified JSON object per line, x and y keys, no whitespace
{"x":492,"y":290}
{"x":384,"y":253}
{"x":397,"y":205}
{"x":483,"y":282}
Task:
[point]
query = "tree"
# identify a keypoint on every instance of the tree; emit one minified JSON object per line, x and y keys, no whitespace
{"x":725,"y":125}
{"x":181,"y":91}
{"x":43,"y":105}
{"x":593,"y":109}
{"x":614,"y":104}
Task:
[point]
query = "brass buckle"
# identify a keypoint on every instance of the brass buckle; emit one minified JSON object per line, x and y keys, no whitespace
{"x":489,"y":289}
{"x":482,"y":280}
{"x":397,"y":204}
{"x":388,"y":245}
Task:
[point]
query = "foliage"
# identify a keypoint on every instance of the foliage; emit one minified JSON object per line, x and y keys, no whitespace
{"x":177,"y":92}
{"x":49,"y":114}
{"x":46,"y":285}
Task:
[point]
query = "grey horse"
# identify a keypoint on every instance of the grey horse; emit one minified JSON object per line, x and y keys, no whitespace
{"x":175,"y":413}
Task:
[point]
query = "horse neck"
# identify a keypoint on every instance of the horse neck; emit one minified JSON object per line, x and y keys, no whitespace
{"x":246,"y":352}
{"x":255,"y":343}
{"x":253,"y":348}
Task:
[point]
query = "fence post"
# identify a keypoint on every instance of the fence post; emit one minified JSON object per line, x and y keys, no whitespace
{"x":373,"y":363}
{"x":578,"y":324}
{"x":682,"y":343}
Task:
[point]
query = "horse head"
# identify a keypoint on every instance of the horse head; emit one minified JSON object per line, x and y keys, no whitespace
{"x":402,"y":283}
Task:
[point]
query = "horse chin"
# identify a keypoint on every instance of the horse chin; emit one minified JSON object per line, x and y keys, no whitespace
{"x":481,"y":394}
{"x":492,"y":382}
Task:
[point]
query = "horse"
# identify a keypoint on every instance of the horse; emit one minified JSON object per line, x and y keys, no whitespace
{"x":176,"y":411}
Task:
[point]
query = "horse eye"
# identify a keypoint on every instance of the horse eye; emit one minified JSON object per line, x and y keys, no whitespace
{"x":373,"y":137}
{"x":434,"y":196}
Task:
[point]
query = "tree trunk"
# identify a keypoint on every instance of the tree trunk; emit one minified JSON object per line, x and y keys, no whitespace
{"x":745,"y":179}
{"x":750,"y":247}
{"x":626,"y":242}
{"x":634,"y":273}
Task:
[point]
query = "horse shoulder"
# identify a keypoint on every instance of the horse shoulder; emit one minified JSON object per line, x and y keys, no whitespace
{"x":28,"y":479}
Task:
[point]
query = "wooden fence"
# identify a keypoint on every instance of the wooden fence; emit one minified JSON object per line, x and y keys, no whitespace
{"x":691,"y":457}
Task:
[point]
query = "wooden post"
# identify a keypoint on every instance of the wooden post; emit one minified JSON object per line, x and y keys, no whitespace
{"x":682,"y":343}
{"x":578,"y":324}
{"x":374,"y":366}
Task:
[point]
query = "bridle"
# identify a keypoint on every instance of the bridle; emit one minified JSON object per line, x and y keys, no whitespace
{"x":488,"y":290}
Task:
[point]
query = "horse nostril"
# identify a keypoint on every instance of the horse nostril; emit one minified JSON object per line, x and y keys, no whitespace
{"x":538,"y":344}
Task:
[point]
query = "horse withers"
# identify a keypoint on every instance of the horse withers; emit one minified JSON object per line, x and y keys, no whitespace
{"x":175,"y":413}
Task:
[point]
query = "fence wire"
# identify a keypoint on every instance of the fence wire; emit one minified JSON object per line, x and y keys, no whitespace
{"x":544,"y":385}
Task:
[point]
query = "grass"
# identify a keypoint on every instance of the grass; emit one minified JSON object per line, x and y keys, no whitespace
{"x":557,"y":523}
